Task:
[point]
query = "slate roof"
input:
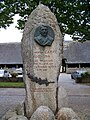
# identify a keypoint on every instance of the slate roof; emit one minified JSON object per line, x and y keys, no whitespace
{"x":10,"y":53}
{"x":77,"y":52}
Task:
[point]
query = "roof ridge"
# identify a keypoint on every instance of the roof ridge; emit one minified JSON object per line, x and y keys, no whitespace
{"x":10,"y":43}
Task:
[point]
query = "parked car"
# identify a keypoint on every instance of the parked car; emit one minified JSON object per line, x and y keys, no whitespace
{"x":19,"y":71}
{"x":4,"y":73}
{"x":1,"y":72}
{"x":77,"y":74}
{"x":19,"y":75}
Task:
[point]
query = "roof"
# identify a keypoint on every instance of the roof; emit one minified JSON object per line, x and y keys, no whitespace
{"x":10,"y":53}
{"x":77,"y":52}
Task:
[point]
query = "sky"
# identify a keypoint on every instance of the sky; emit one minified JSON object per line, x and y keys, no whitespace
{"x":12,"y":34}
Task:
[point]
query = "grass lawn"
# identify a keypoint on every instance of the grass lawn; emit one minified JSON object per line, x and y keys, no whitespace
{"x":12,"y":84}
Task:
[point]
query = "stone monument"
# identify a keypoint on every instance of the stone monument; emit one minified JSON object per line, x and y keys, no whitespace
{"x":42,"y":56}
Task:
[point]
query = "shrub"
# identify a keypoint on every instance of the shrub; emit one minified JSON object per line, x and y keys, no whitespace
{"x":86,"y":74}
{"x":78,"y":80}
{"x":14,"y":74}
{"x":85,"y":78}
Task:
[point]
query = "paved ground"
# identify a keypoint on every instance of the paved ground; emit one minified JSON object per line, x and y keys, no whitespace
{"x":10,"y":97}
{"x":79,"y":97}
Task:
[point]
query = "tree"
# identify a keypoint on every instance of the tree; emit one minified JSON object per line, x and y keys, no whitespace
{"x":72,"y":15}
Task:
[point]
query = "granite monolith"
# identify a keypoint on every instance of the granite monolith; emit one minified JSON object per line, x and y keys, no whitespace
{"x":42,"y":56}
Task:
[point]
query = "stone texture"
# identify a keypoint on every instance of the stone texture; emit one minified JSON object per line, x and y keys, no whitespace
{"x":18,"y":117}
{"x":43,"y":113}
{"x":20,"y":109}
{"x":66,"y":114}
{"x":14,"y":111}
{"x":86,"y":114}
{"x":9,"y":114}
{"x":41,"y":63}
{"x":62,"y":98}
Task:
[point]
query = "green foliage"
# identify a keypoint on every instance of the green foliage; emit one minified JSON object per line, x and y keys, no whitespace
{"x":86,"y":74}
{"x":72,"y":15}
{"x":14,"y":74}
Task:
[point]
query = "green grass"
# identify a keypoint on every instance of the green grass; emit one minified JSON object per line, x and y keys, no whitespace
{"x":12,"y":84}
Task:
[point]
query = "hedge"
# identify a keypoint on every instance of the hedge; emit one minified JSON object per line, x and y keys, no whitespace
{"x":11,"y":79}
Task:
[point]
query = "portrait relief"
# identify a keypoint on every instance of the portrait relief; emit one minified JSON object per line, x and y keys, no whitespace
{"x":44,"y":35}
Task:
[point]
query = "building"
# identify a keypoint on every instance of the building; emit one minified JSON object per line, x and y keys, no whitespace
{"x":10,"y":55}
{"x":77,"y":55}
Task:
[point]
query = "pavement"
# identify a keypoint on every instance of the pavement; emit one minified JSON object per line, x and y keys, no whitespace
{"x":78,"y":97}
{"x":10,"y":97}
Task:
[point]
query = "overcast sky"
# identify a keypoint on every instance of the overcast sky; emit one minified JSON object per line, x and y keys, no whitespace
{"x":12,"y":34}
